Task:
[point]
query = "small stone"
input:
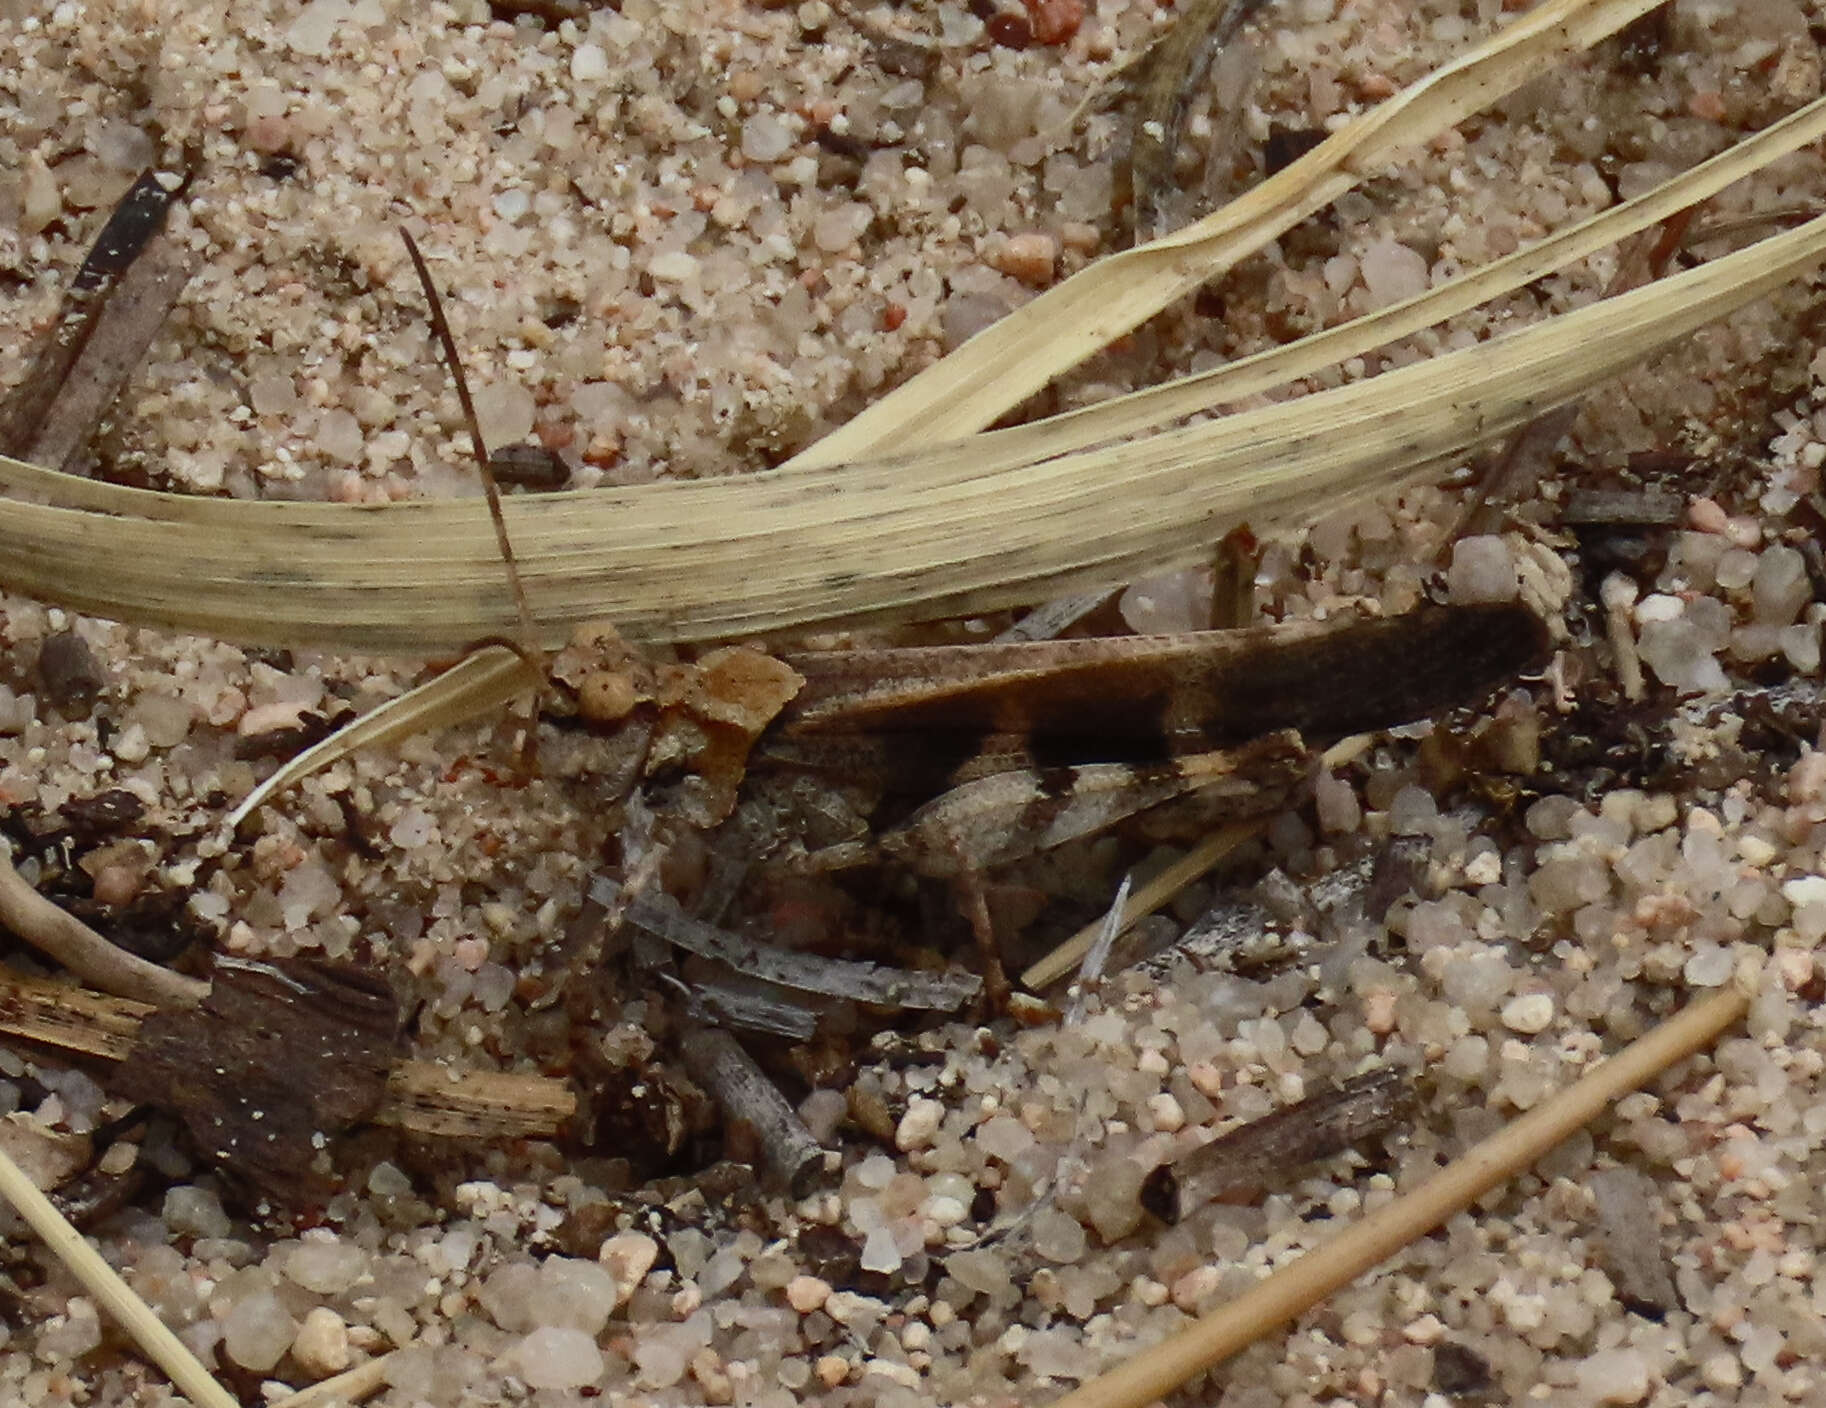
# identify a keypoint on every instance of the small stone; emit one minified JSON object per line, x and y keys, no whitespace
{"x":321,"y":1346}
{"x":555,"y":1358}
{"x":1780,"y":587}
{"x":1392,"y":272}
{"x":1710,"y":966}
{"x":1112,"y":1198}
{"x":1482,"y":571}
{"x":918,"y":1124}
{"x":1004,"y":1137}
{"x":628,"y":1257}
{"x":574,"y":1294}
{"x":275,"y":395}
{"x":1529,"y":1013}
{"x":879,"y":1252}
{"x":257,"y":1331}
{"x":328,"y":1266}
{"x":1615,"y":1376}
{"x":589,"y":64}
{"x":807,"y":1293}
{"x":831,"y":1369}
{"x":339,"y":435}
{"x":674,"y":266}
{"x":1030,"y":257}
{"x":190,"y":1211}
{"x":73,"y":1334}
{"x":765,"y":138}
{"x":1166,"y":1113}
{"x":505,"y":410}
{"x":1058,"y":1236}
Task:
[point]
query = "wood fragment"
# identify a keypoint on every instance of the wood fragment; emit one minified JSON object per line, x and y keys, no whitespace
{"x":660,"y":914}
{"x":738,"y":1002}
{"x":1269,"y":1150}
{"x":115,"y":306}
{"x":65,"y":938}
{"x":748,"y":1098}
{"x":276,"y":1059}
{"x":422,"y":1097}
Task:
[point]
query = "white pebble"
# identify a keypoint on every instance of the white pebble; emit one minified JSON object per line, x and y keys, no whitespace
{"x":257,"y":1331}
{"x":326,"y":1265}
{"x":880,"y":1252}
{"x":919,"y":1124}
{"x":628,"y":1257}
{"x":321,"y":1346}
{"x":1615,"y":1376}
{"x":807,"y":1293}
{"x":557,"y":1358}
{"x":1529,"y":1013}
{"x":765,"y":138}
{"x":589,"y":64}
{"x":1482,"y":570}
{"x":673,"y":266}
{"x":1710,"y":966}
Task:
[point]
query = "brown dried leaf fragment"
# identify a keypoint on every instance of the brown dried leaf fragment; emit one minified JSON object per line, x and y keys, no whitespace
{"x":1268,"y":1150}
{"x":279,"y":1057}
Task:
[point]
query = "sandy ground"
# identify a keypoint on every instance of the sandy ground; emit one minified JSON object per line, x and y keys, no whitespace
{"x":686,"y":240}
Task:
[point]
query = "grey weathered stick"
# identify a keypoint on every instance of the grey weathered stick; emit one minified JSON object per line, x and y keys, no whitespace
{"x":860,"y":982}
{"x":717,"y":1061}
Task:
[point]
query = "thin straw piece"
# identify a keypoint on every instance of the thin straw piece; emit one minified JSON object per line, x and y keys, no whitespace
{"x":350,"y":1386}
{"x":1295,"y":1289}
{"x":113,"y":1294}
{"x":1143,"y":900}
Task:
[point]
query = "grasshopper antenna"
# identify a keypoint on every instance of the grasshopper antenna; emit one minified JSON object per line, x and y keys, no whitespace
{"x":528,"y":646}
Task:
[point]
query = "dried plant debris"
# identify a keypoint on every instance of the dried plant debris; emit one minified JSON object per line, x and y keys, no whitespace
{"x":870,"y":983}
{"x":115,"y":306}
{"x":1166,"y":83}
{"x":1261,"y":1154}
{"x":278,"y":1059}
{"x":754,"y":1110}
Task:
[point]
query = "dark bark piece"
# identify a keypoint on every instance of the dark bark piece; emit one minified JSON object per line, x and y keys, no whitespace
{"x":116,"y":304}
{"x":1269,"y":1150}
{"x":279,"y":1058}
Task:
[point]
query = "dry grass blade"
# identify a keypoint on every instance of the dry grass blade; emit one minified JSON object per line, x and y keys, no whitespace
{"x":1004,"y":364}
{"x":114,"y":1295}
{"x":685,"y":560}
{"x":467,"y":690}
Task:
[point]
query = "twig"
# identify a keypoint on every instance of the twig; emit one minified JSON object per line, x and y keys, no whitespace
{"x":422,"y":1096}
{"x":113,"y":1294}
{"x":746,"y":1096}
{"x":1290,"y":1292}
{"x":658,"y":913}
{"x":84,"y":952}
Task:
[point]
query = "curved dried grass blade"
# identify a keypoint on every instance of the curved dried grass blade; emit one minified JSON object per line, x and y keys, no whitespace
{"x":474,"y":685}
